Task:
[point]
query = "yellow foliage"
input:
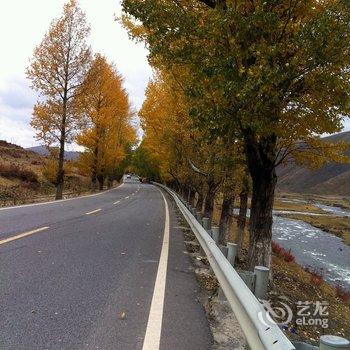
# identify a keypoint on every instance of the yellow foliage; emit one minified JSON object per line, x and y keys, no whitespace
{"x":106,"y":112}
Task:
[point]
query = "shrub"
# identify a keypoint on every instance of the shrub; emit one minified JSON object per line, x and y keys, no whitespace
{"x":316,"y":278}
{"x":288,"y":256}
{"x":15,"y":172}
{"x":285,"y":254}
{"x":342,"y":293}
{"x":50,"y":171}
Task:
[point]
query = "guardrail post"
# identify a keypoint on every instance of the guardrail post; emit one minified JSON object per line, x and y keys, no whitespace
{"x":206,"y":223}
{"x":224,"y":250}
{"x":231,"y":253}
{"x":221,"y":295}
{"x":215,"y":234}
{"x":331,"y":342}
{"x":261,"y":281}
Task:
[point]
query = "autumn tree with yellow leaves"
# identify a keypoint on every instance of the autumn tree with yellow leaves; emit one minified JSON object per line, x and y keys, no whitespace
{"x":56,"y":71}
{"x":277,"y":72}
{"x":105,"y":112}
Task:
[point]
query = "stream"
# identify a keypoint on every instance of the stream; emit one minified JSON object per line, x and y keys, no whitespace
{"x":322,"y":251}
{"x":312,"y":247}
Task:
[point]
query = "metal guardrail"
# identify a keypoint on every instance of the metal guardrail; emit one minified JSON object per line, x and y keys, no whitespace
{"x":246,"y":307}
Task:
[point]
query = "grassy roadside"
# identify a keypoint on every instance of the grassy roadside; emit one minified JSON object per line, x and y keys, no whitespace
{"x":293,"y":284}
{"x":337,"y":225}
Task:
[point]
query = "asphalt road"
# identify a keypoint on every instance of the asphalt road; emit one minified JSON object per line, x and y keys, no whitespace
{"x":98,"y":272}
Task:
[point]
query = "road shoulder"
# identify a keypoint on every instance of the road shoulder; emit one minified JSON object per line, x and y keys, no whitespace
{"x":185,"y":325}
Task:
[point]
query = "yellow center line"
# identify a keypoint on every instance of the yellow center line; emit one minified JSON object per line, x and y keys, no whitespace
{"x":13,"y":238}
{"x":93,"y":212}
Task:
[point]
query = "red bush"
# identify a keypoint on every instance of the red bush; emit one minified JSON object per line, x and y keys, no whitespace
{"x":342,"y":293}
{"x":285,"y":254}
{"x":316,"y":278}
{"x":288,"y":256}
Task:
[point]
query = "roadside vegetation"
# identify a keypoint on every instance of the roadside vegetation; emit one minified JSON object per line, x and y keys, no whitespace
{"x":27,"y":177}
{"x":240,"y":89}
{"x":82,"y":100}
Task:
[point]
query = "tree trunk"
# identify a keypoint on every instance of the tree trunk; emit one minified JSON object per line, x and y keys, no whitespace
{"x":261,"y":158}
{"x":242,"y":219}
{"x":60,"y":168}
{"x":199,"y":204}
{"x":93,"y":182}
{"x":184,"y":191}
{"x":191,"y":195}
{"x":109,"y":182}
{"x":226,"y":219}
{"x":209,"y":200}
{"x":101,"y":181}
{"x":94,"y":170}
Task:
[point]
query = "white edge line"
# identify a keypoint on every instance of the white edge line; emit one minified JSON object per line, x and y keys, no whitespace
{"x":61,"y":200}
{"x":93,"y":212}
{"x":24,"y":234}
{"x":154,"y":324}
{"x":116,"y":202}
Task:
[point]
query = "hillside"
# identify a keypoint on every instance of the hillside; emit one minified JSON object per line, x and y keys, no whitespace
{"x":42,"y":150}
{"x":331,"y":179}
{"x":26,"y":175}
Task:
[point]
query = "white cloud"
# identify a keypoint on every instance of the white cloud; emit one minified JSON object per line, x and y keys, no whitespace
{"x":23,"y":24}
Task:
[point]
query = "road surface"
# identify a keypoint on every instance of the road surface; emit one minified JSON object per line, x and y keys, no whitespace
{"x":106,"y":271}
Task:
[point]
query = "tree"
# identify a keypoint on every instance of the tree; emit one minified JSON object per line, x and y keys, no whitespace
{"x":57,"y":69}
{"x":144,"y":164}
{"x":106,"y":113}
{"x":277,"y":70}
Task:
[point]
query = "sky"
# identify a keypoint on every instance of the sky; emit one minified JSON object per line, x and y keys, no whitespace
{"x":23,"y":24}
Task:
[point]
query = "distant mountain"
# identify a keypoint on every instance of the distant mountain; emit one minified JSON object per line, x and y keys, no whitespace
{"x":331,"y":179}
{"x":42,"y":150}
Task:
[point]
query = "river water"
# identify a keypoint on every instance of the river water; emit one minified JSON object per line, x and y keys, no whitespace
{"x":312,"y":247}
{"x":333,"y":210}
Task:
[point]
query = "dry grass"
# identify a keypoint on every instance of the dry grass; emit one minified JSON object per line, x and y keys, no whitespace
{"x":304,"y":207}
{"x":295,"y":284}
{"x":13,"y":171}
{"x":22,"y":179}
{"x":339,"y":201}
